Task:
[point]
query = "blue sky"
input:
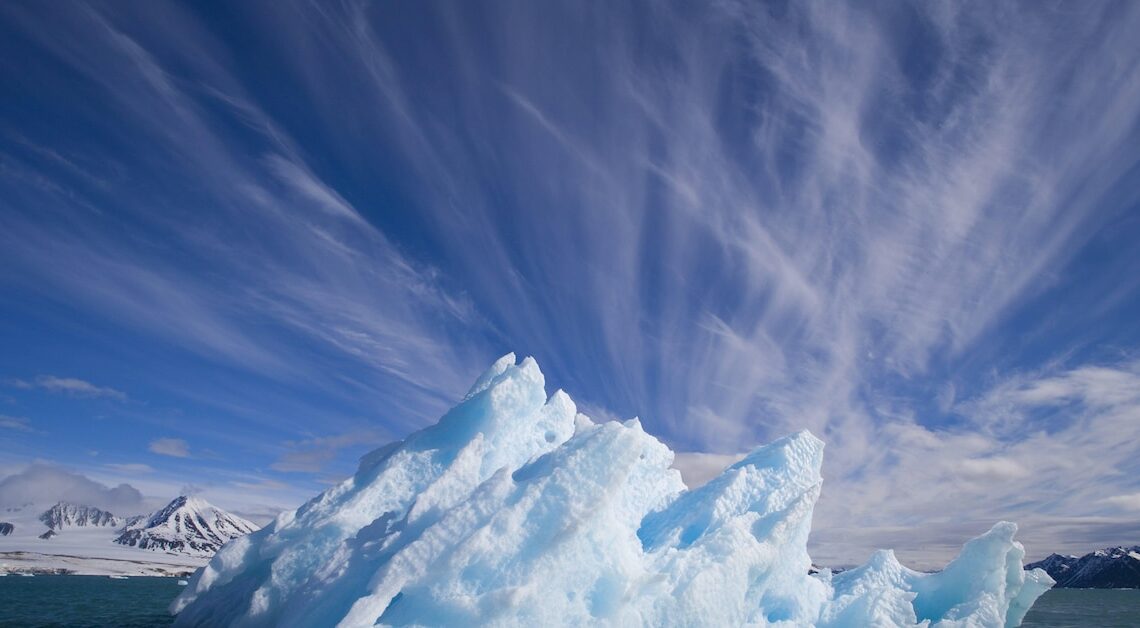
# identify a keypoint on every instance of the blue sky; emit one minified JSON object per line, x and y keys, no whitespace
{"x":242,"y":245}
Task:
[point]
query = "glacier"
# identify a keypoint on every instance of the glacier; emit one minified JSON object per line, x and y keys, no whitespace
{"x":515,"y":509}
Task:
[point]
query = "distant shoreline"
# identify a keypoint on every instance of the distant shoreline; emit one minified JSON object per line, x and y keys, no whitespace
{"x":36,"y":563}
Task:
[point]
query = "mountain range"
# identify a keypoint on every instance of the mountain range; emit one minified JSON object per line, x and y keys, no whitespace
{"x":77,"y":538}
{"x":1109,"y":568}
{"x":63,"y":515}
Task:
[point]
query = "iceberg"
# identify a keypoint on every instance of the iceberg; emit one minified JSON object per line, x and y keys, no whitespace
{"x":517,"y":510}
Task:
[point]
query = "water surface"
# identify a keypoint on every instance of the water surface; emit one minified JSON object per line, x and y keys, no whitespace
{"x":141,"y":602}
{"x":1082,"y":608}
{"x":86,"y":601}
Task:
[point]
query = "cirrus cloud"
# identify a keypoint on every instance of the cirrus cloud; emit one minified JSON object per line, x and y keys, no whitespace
{"x":68,"y":386}
{"x":174,"y":447}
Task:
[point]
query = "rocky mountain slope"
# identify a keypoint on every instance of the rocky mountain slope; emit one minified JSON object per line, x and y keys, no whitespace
{"x":64,"y":515}
{"x":187,"y":525}
{"x":1109,"y":568}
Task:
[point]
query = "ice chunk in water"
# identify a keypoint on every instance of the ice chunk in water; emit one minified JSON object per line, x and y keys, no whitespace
{"x":516,"y":510}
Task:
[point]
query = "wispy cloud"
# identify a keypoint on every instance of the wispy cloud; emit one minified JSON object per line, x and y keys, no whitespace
{"x":698,"y":468}
{"x":20,"y":424}
{"x":1130,"y":502}
{"x":68,"y":386}
{"x":311,"y":455}
{"x":1057,"y":448}
{"x":311,"y":268}
{"x":131,"y":467}
{"x":857,"y":237}
{"x":174,"y":447}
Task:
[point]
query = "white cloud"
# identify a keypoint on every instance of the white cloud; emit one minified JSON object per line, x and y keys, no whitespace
{"x":1130,"y":502}
{"x":698,"y":468}
{"x":311,"y":455}
{"x":949,"y":484}
{"x":42,"y":483}
{"x":68,"y":386}
{"x":993,"y":469}
{"x":263,"y":486}
{"x":305,"y":183}
{"x":849,"y":267}
{"x":1093,"y":385}
{"x":20,"y":424}
{"x":175,"y":447}
{"x":322,"y":276}
{"x":131,"y":467}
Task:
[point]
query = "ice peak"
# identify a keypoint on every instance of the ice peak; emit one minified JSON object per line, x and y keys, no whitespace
{"x":801,"y":451}
{"x":496,"y":369}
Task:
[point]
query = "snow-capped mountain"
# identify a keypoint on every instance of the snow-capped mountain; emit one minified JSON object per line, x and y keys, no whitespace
{"x":1056,"y":565}
{"x":64,"y":515}
{"x":75,"y":538}
{"x":187,"y":525}
{"x":1109,"y":568}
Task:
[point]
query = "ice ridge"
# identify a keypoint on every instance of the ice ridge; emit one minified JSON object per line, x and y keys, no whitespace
{"x":514,"y":509}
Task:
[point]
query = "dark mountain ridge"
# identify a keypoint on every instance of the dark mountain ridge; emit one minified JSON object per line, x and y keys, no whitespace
{"x":1109,"y":568}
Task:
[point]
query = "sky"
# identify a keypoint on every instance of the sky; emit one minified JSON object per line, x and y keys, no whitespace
{"x":242,"y":244}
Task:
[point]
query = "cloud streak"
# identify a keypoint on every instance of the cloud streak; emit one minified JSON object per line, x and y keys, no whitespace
{"x":173,"y":447}
{"x":16,"y":423}
{"x":312,"y":455}
{"x":68,"y":386}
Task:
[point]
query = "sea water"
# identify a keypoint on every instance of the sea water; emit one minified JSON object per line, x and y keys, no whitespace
{"x":138,"y":602}
{"x":1082,"y":608}
{"x":86,"y":601}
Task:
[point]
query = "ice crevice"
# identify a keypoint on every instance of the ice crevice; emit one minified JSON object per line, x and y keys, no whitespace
{"x":515,"y":509}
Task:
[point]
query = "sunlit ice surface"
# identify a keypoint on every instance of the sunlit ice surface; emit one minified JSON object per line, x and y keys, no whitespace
{"x":515,"y":509}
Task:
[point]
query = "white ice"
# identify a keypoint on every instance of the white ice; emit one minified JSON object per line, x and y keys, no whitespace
{"x":516,"y":510}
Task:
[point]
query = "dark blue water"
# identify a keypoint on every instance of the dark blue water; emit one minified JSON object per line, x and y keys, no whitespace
{"x":1082,"y":608}
{"x":79,"y":601}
